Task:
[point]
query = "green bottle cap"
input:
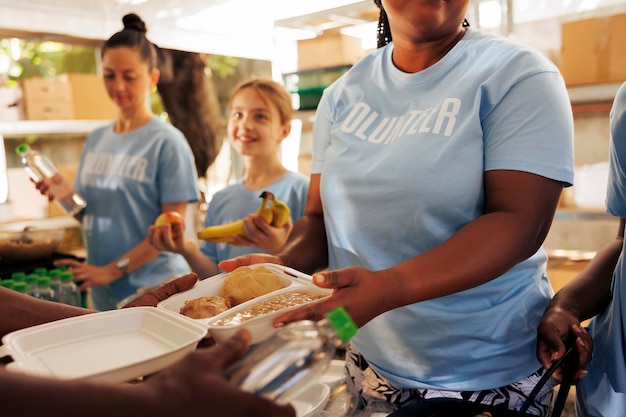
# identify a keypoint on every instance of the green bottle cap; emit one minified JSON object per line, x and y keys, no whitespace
{"x":41,"y":271}
{"x":343,"y":324}
{"x":7,"y":283}
{"x":20,"y":286}
{"x":22,"y":148}
{"x":53,"y":273}
{"x":18,"y":276}
{"x":30,"y":278}
{"x":43,"y":281}
{"x":67,"y":276}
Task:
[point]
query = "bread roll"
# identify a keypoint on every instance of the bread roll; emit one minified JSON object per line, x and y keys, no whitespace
{"x":246,"y":283}
{"x":204,"y":307}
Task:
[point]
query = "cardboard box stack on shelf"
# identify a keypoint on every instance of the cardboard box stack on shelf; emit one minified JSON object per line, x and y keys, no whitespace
{"x":592,"y":51}
{"x":67,"y":96}
{"x":321,"y":60}
{"x":330,"y":49}
{"x":46,"y":99}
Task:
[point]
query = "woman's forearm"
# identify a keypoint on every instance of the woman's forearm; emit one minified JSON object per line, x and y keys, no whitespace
{"x":307,"y":248}
{"x":19,"y":311}
{"x":198,"y":262}
{"x":589,"y":292}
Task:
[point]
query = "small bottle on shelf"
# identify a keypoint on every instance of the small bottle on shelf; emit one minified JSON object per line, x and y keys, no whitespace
{"x":43,"y":291}
{"x":68,"y":291}
{"x":31,"y":281}
{"x":281,"y":366}
{"x":38,"y":167}
{"x":55,"y":280}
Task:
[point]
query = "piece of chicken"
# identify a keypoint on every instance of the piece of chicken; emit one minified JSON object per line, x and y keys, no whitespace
{"x":204,"y":307}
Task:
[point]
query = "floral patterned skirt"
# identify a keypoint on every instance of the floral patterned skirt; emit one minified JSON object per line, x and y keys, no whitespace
{"x":374,"y":393}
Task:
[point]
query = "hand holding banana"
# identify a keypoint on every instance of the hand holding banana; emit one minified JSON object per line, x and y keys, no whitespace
{"x":274,"y":211}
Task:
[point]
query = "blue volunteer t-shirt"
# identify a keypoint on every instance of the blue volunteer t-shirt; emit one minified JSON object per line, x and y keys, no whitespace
{"x":602,"y":393}
{"x":125,"y":179}
{"x":402,"y":158}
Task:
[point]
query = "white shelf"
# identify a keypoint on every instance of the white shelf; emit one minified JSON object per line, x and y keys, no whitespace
{"x":42,"y":127}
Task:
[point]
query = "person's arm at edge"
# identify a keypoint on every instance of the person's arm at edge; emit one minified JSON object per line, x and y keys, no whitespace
{"x":587,"y":295}
{"x":19,"y":311}
{"x":589,"y":292}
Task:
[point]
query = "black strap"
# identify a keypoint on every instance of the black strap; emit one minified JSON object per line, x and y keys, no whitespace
{"x":569,"y":361}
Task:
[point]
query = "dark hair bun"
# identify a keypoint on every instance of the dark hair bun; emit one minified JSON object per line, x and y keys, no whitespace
{"x":133,"y":22}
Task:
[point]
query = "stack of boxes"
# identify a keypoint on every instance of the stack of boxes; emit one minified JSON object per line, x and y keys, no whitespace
{"x":321,"y":60}
{"x":592,"y":50}
{"x":68,"y":96}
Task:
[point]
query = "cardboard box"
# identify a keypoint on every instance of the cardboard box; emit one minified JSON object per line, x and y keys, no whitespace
{"x":329,"y":50}
{"x":591,"y":51}
{"x":46,"y":99}
{"x":91,"y":101}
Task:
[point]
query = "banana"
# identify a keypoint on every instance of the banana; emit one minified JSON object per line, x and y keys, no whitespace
{"x":281,"y":213}
{"x":264,"y":209}
{"x":224,"y":233}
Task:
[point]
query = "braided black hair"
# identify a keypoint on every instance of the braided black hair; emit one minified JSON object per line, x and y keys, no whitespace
{"x":133,"y":36}
{"x":383,"y":33}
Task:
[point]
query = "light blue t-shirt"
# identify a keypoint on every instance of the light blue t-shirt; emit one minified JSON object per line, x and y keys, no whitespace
{"x":236,"y":201}
{"x":602,"y":393}
{"x":125,"y":179}
{"x":402,"y":159}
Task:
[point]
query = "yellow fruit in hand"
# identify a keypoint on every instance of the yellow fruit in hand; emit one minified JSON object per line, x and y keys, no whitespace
{"x":281,"y":213}
{"x":225,"y":232}
{"x":170,"y":217}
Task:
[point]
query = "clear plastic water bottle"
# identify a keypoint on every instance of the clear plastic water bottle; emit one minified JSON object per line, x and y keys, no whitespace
{"x":281,"y":366}
{"x":38,"y":167}
{"x":31,"y":281}
{"x":43,"y":291}
{"x":68,"y":291}
{"x":55,"y":281}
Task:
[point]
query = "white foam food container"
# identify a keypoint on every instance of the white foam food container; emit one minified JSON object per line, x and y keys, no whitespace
{"x":111,"y":346}
{"x":311,"y":401}
{"x":212,"y":286}
{"x":260,"y":327}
